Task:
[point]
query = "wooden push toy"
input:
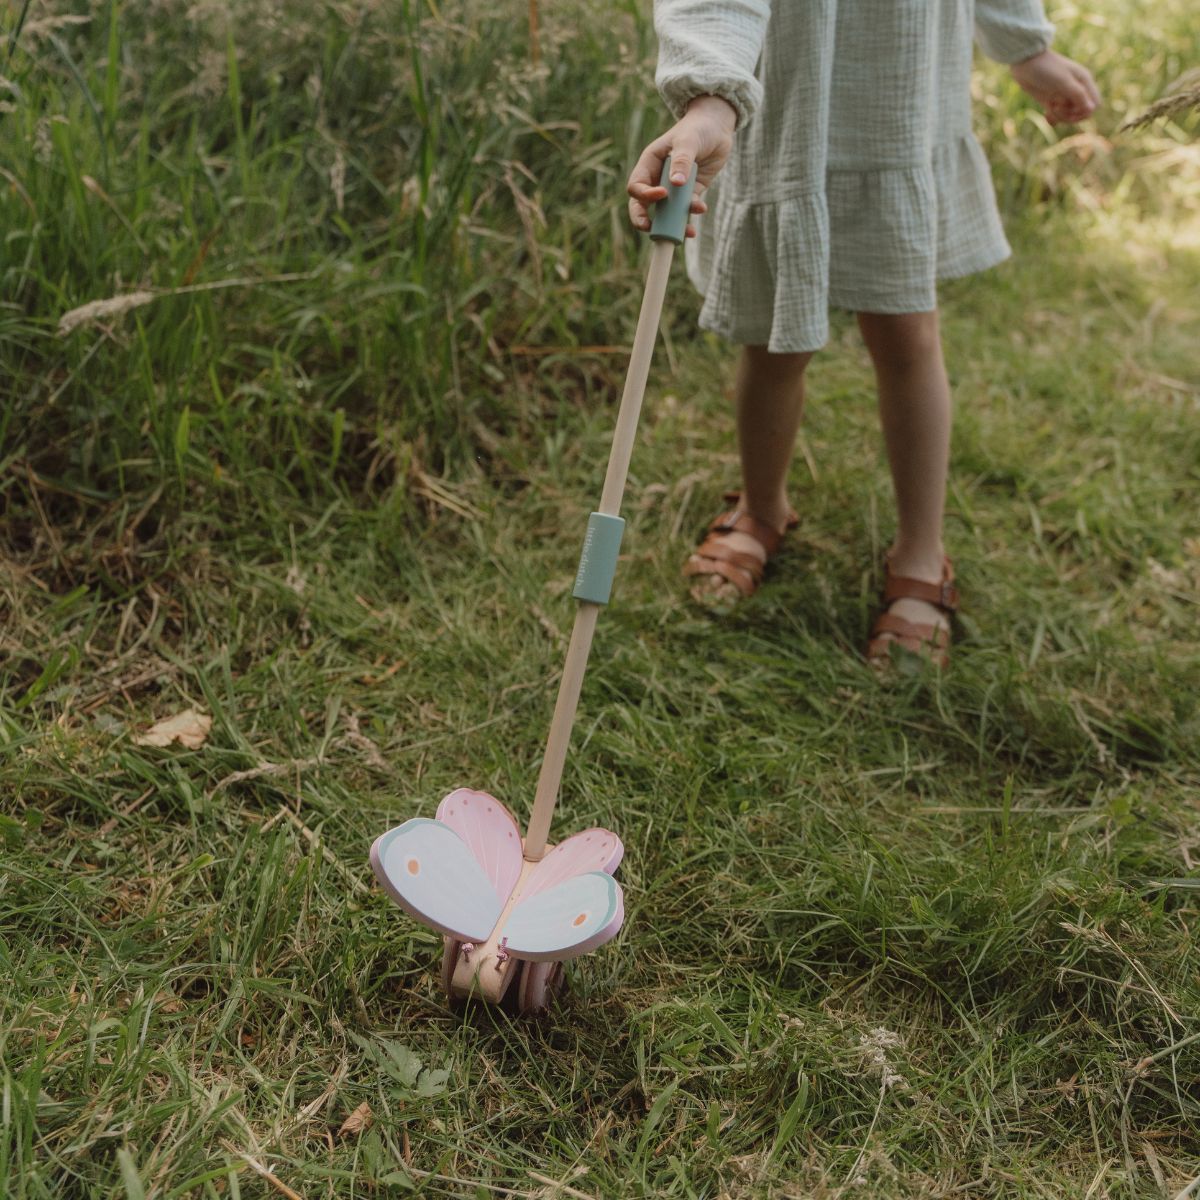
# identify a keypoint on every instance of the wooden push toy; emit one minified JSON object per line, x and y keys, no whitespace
{"x":512,"y":909}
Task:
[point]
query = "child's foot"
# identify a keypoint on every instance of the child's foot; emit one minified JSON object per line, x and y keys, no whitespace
{"x":730,"y":562}
{"x":916,"y":615}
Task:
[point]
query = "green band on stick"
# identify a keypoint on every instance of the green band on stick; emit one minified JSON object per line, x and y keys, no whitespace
{"x":598,"y":561}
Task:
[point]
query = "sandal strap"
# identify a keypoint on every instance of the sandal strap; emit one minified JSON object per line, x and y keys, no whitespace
{"x":931,"y":641}
{"x":943,"y":595}
{"x":714,"y":547}
{"x":936,"y":636}
{"x":740,"y":577}
{"x":740,"y":522}
{"x":714,"y":556}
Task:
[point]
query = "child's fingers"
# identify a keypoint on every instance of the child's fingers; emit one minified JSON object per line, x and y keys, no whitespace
{"x":683,"y":156}
{"x":1089,"y":86}
{"x":639,"y":211}
{"x":642,"y":198}
{"x":1079,"y":102}
{"x":1072,"y":103}
{"x":643,"y":188}
{"x":646,"y":193}
{"x":683,"y":146}
{"x":647,"y":171}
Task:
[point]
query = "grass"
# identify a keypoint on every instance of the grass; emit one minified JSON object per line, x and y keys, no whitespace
{"x":933,"y":938}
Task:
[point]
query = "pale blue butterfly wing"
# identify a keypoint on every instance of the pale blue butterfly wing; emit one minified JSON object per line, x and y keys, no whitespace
{"x":565,"y":920}
{"x":427,"y":868}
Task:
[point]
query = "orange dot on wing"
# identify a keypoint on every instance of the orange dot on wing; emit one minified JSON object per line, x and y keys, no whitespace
{"x":579,"y":920}
{"x":414,"y":867}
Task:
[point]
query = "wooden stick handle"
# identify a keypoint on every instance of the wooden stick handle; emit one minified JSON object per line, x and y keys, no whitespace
{"x":571,"y":683}
{"x":635,"y":378}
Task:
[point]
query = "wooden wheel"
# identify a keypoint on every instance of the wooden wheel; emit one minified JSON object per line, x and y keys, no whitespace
{"x":540,"y":982}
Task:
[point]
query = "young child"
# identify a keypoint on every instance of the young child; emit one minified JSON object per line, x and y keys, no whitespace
{"x":858,"y":183}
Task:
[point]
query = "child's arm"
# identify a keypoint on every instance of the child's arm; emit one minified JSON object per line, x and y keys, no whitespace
{"x":1016,"y":32}
{"x":710,"y":47}
{"x":707,"y":52}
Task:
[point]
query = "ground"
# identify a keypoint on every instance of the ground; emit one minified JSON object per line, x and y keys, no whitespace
{"x":327,"y":484}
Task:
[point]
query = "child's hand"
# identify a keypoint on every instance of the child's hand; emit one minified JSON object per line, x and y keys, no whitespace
{"x":704,"y":136}
{"x":1063,"y":88}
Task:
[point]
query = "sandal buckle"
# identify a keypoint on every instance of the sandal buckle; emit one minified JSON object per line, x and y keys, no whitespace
{"x":949,"y":596}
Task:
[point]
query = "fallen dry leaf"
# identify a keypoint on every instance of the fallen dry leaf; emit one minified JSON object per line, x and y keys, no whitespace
{"x":189,"y":728}
{"x":358,"y":1121}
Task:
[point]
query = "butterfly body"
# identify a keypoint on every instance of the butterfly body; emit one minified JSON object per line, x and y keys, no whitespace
{"x":486,"y":970}
{"x":465,"y":875}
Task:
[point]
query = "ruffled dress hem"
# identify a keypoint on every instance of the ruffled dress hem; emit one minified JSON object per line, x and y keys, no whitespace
{"x":874,"y":240}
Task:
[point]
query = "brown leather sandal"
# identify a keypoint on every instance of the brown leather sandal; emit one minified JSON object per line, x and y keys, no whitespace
{"x":929,"y":641}
{"x":743,"y":570}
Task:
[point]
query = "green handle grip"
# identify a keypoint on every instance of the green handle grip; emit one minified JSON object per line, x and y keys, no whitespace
{"x":598,"y":561}
{"x":671,"y":215}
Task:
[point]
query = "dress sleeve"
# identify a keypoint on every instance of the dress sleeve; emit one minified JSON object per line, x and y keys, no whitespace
{"x":710,"y":47}
{"x":1011,"y":31}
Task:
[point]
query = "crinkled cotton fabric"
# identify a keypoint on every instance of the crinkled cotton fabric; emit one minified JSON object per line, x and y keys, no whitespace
{"x":855,"y":179}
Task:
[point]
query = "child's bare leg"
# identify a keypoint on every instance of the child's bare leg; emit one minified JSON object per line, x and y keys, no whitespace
{"x":769,"y":396}
{"x":914,"y":407}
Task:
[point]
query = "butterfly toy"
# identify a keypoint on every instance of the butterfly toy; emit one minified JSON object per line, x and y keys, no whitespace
{"x":502,"y":918}
{"x":513,"y":909}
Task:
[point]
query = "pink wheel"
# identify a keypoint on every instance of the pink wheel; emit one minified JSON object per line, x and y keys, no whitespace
{"x":540,"y":982}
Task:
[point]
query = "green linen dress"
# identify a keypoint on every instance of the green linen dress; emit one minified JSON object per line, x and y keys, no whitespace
{"x":855,"y":180}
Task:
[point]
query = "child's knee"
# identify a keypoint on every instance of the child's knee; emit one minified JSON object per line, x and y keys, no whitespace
{"x":761,"y":359}
{"x":900,"y":339}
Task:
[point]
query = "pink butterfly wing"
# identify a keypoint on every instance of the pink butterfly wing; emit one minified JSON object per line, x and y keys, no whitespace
{"x":490,"y":833}
{"x":581,"y":853}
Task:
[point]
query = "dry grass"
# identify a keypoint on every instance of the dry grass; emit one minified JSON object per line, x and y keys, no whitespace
{"x":1182,"y":98}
